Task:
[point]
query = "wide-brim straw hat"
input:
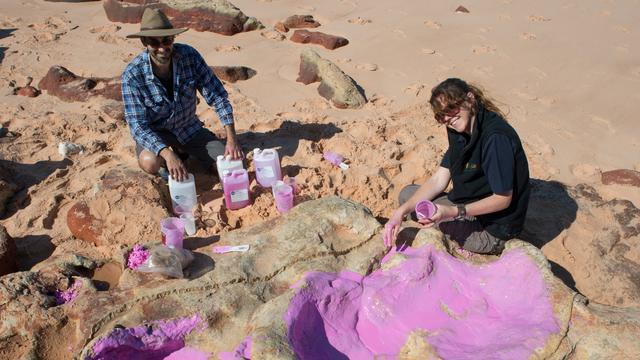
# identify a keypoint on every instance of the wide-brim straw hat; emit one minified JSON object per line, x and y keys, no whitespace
{"x":155,"y":23}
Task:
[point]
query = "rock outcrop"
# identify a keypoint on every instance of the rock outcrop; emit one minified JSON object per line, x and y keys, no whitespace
{"x":8,"y":253}
{"x":7,"y":187}
{"x":219,"y":16}
{"x":233,"y":74}
{"x":330,"y":42}
{"x":621,"y":177}
{"x":296,"y":22}
{"x":600,"y":258}
{"x":102,"y":220}
{"x":243,"y":297}
{"x":335,"y":85}
{"x":67,"y":86}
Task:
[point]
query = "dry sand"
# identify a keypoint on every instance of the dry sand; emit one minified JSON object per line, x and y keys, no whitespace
{"x":566,"y":72}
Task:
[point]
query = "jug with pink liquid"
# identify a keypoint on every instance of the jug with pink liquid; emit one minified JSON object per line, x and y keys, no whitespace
{"x":283,"y":195}
{"x":236,"y":189}
{"x":267,"y":165}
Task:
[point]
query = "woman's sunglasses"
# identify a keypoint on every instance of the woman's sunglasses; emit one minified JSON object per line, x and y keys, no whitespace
{"x":447,"y":113}
{"x":156,"y":42}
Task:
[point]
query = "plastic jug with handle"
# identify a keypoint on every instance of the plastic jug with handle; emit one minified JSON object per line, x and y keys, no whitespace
{"x":236,"y":189}
{"x":226,"y":163}
{"x":183,"y":193}
{"x":267,"y":165}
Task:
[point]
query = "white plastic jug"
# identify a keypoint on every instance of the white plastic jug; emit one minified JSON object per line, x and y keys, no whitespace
{"x":226,"y":163}
{"x":183,"y":193}
{"x":267,"y":165}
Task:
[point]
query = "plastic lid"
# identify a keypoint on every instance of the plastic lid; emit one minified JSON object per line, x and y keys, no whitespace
{"x":220,"y":157}
{"x":256,"y":151}
{"x":226,"y":172}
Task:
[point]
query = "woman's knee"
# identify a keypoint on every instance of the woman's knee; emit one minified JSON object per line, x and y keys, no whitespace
{"x":406,"y":193}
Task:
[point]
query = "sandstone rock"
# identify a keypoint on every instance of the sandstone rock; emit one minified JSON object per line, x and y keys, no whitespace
{"x":462,"y":9}
{"x":233,"y":74}
{"x":335,"y":85}
{"x":601,"y":257}
{"x":300,"y":21}
{"x":7,"y":187}
{"x":102,"y":220}
{"x":64,"y":84}
{"x":621,"y":177}
{"x":244,"y":297}
{"x":219,"y":16}
{"x":28,"y":91}
{"x":330,"y":42}
{"x":8,"y":253}
{"x":281,"y":27}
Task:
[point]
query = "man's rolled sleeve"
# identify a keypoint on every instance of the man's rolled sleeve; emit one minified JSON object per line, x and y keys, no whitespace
{"x":135,"y":115}
{"x":213,"y":91}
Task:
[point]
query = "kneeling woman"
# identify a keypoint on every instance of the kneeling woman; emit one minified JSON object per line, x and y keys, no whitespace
{"x":487,"y":164}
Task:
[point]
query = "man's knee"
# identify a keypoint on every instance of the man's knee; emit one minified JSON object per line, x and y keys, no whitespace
{"x":149,"y":162}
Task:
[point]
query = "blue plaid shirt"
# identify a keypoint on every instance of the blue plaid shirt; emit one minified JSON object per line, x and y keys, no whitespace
{"x":148,"y":109}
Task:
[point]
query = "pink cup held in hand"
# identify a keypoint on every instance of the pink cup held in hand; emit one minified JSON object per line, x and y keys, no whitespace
{"x":172,"y":232}
{"x":425,"y":209}
{"x":283,"y":195}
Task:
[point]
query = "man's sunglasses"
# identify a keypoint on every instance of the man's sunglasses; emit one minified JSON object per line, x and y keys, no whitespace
{"x":156,"y":41}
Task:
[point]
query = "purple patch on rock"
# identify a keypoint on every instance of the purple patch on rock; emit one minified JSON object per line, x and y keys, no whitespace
{"x":242,"y":351}
{"x":63,"y":297}
{"x":499,"y":310}
{"x":156,"y":340}
{"x":137,"y":257}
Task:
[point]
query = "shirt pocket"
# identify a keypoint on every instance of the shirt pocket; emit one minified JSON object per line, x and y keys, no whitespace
{"x":158,"y":107}
{"x":187,"y":94}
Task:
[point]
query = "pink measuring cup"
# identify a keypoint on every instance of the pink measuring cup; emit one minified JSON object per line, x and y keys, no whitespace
{"x":425,"y":209}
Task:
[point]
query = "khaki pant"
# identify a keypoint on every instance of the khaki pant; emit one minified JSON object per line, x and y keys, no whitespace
{"x":468,"y":232}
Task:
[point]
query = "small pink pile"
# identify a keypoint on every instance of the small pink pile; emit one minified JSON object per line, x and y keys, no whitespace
{"x":63,"y":297}
{"x":137,"y":257}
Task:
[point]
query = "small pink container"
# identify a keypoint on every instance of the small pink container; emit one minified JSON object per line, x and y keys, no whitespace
{"x":336,"y":159}
{"x":172,"y":232}
{"x":236,"y":189}
{"x":283,"y":195}
{"x":425,"y":209}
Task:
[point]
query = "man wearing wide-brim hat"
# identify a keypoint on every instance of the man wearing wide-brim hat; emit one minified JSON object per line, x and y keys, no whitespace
{"x":159,"y":92}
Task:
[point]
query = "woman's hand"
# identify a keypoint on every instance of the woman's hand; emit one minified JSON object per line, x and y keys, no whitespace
{"x":443,"y":212}
{"x":392,"y":227}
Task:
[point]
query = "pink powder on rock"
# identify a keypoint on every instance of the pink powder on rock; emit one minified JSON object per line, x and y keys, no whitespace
{"x":242,"y":351}
{"x":137,"y":257}
{"x":188,"y":353}
{"x":146,"y":342}
{"x":499,"y":310}
{"x":63,"y":297}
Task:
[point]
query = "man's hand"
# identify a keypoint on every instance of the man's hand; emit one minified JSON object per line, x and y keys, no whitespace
{"x":232,"y":148}
{"x":176,"y":167}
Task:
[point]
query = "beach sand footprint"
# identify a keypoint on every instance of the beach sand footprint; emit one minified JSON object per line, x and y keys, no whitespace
{"x":528,"y":36}
{"x":358,"y":20}
{"x":538,"y":18}
{"x":228,"y":48}
{"x":433,"y":24}
{"x":366,"y":66}
{"x":483,"y":49}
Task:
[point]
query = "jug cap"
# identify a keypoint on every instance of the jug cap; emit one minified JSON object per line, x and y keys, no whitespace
{"x":256,"y":151}
{"x":220,"y":157}
{"x":226,"y":172}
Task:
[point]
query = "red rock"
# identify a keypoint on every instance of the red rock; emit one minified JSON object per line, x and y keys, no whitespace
{"x":300,"y":21}
{"x":462,"y":9}
{"x":8,"y":253}
{"x":83,"y":225}
{"x":67,"y":86}
{"x":233,"y":73}
{"x":219,"y":17}
{"x":28,"y":91}
{"x":621,"y":177}
{"x":328,"y":41}
{"x":281,"y":27}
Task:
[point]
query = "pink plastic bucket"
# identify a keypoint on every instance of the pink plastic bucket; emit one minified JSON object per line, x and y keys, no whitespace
{"x":172,"y":232}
